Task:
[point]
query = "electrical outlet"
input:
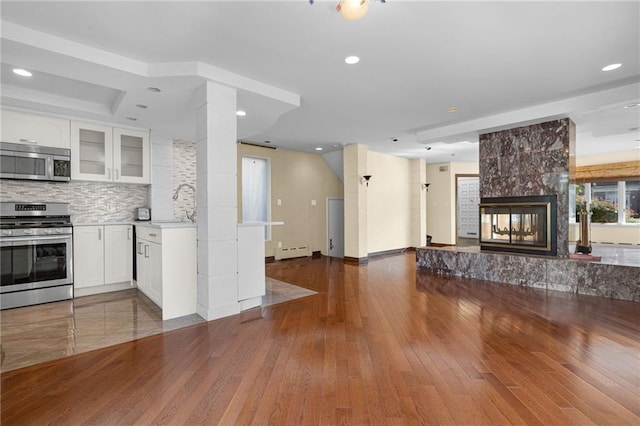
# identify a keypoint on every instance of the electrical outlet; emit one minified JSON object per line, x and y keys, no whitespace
{"x":279,"y":244}
{"x":279,"y":201}
{"x":313,"y":202}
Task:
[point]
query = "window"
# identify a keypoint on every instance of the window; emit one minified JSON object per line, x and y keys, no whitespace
{"x":255,"y":191}
{"x":607,"y":202}
{"x":632,"y":201}
{"x":604,"y":202}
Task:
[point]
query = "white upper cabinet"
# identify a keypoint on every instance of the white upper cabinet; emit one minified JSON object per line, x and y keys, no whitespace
{"x":91,"y":152}
{"x":32,"y":129}
{"x":102,"y":153}
{"x":131,"y":156}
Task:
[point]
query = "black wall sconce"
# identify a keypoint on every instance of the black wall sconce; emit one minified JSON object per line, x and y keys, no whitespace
{"x":426,"y":186}
{"x":365,"y":179}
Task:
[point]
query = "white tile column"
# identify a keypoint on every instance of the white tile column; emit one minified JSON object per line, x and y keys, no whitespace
{"x":160,"y":191}
{"x":217,"y":201}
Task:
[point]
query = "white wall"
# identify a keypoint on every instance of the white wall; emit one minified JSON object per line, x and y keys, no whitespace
{"x":388,"y":203}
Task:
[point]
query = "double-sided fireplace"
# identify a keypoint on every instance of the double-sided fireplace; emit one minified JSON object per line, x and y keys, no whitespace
{"x":519,"y":224}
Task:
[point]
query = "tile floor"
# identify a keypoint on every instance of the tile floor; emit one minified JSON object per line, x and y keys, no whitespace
{"x":36,"y":334}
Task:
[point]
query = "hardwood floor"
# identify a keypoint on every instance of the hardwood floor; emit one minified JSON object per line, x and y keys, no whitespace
{"x":379,"y":344}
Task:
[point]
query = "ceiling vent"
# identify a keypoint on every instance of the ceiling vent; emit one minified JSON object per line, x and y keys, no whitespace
{"x":444,"y":168}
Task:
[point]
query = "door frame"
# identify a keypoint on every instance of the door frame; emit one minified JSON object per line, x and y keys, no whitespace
{"x":462,"y":175}
{"x":327,"y":225}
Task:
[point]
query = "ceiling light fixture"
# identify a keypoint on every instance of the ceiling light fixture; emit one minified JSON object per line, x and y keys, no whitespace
{"x":22,"y":72}
{"x":635,"y":105}
{"x":141,"y":106}
{"x":318,"y":149}
{"x":132,"y":119}
{"x":452,"y":109}
{"x":154,"y":90}
{"x":240,"y":113}
{"x":352,"y":60}
{"x":611,"y":67}
{"x":352,"y":10}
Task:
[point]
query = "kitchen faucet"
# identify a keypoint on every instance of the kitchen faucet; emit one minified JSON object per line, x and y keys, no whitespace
{"x":192,"y":216}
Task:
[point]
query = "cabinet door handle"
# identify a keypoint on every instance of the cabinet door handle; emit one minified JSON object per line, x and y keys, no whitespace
{"x":128,"y":233}
{"x":29,"y":140}
{"x":139,"y":247}
{"x":146,"y":250}
{"x":108,"y":173}
{"x":116,"y":173}
{"x":99,"y":233}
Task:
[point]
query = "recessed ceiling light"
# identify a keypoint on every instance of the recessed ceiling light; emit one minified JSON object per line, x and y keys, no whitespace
{"x":240,"y":113}
{"x":452,"y":109}
{"x":611,"y":67}
{"x":318,"y":149}
{"x":141,"y":106}
{"x":352,"y":60}
{"x":154,"y":90}
{"x":636,"y":105}
{"x":21,"y":72}
{"x":132,"y":119}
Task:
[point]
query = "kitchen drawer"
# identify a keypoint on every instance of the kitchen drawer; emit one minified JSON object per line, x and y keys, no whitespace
{"x":148,"y":233}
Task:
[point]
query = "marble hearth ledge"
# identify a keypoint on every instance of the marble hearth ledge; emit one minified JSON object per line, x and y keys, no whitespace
{"x":550,"y":273}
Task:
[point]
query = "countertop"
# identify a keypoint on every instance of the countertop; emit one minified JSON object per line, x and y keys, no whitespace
{"x":168,"y":223}
{"x":259,"y":223}
{"x":151,"y":224}
{"x":165,"y":224}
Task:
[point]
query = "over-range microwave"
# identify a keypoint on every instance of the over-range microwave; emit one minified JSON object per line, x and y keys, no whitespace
{"x":32,"y":162}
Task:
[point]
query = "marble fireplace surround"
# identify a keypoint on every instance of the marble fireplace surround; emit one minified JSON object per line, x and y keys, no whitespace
{"x":535,"y":160}
{"x":549,"y":273}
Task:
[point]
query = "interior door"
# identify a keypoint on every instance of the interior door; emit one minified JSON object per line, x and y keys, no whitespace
{"x":468,"y":206}
{"x":335,"y":227}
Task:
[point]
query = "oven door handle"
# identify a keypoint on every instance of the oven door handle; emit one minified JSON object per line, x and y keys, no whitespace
{"x":34,"y":240}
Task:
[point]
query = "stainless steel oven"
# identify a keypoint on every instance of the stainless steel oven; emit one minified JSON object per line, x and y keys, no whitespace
{"x":32,"y":162}
{"x":36,"y":244}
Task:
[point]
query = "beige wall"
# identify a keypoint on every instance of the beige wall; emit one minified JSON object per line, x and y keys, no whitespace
{"x":608,"y":233}
{"x":441,"y":202}
{"x":296,"y":179}
{"x":388,"y":203}
{"x":612,"y":157}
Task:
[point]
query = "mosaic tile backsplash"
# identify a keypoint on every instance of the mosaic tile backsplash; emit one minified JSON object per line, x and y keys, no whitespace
{"x":184,"y":171}
{"x":88,"y":201}
{"x":530,"y":160}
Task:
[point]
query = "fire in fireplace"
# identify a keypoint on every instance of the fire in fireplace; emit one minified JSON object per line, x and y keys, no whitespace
{"x":519,"y":224}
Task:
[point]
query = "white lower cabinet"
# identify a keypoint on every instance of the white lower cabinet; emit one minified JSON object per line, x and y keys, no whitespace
{"x":102,"y":258}
{"x":166,"y":262}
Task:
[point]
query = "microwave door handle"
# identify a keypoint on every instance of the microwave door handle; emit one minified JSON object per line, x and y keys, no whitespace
{"x":49,"y":166}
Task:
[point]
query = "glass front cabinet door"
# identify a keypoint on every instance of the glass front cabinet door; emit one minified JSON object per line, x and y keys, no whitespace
{"x":106,"y":154}
{"x":131,"y":156}
{"x":91,"y":152}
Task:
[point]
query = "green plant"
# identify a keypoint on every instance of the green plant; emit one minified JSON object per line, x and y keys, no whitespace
{"x":603,"y":211}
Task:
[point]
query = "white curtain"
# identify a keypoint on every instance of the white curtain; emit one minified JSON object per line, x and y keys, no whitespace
{"x":255,"y":189}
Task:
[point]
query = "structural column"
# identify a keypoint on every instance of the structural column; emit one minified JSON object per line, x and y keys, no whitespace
{"x":217,"y":201}
{"x":355,"y":204}
{"x":418,"y":170}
